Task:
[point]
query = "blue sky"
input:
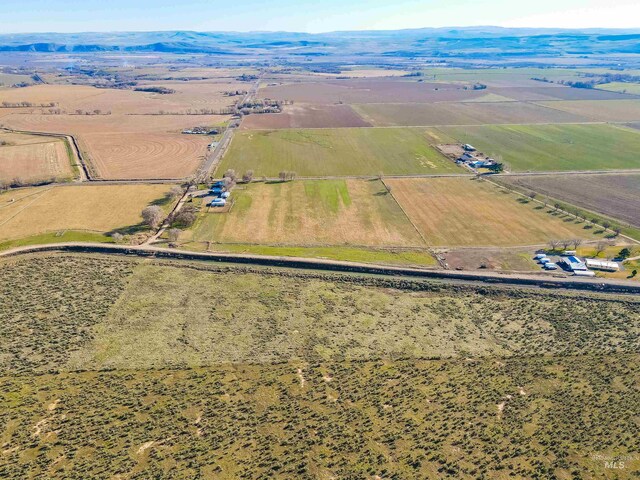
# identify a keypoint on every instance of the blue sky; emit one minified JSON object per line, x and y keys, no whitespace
{"x":308,"y":16}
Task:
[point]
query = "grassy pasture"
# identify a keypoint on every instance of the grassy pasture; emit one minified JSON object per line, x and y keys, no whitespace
{"x":94,"y":208}
{"x":34,"y":158}
{"x":344,"y":151}
{"x":478,"y":113}
{"x":555,"y":147}
{"x":622,"y":87}
{"x":314,"y":212}
{"x":466,"y":212}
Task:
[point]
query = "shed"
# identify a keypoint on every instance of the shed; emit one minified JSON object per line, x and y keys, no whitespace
{"x":602,"y":265}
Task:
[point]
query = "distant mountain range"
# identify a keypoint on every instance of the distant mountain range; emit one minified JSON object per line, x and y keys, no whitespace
{"x":445,"y":42}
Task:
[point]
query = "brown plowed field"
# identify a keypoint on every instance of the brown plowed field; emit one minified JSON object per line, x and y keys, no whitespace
{"x":370,"y":91}
{"x":307,"y":116}
{"x":616,"y":196}
{"x":31,"y":159}
{"x":129,"y":146}
{"x":609,"y":111}
{"x":557,"y":93}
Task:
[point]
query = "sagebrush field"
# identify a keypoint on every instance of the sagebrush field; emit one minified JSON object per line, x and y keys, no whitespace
{"x":394,"y":378}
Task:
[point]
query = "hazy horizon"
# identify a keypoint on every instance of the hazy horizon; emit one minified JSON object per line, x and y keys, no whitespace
{"x":74,"y":16}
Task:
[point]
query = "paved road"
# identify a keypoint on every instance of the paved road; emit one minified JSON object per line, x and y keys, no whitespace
{"x":540,"y":280}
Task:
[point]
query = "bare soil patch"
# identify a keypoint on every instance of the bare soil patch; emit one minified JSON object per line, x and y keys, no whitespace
{"x":370,"y":91}
{"x":615,"y":195}
{"x":31,"y":159}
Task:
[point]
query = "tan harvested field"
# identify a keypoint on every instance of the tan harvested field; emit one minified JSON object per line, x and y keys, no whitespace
{"x":307,"y":116}
{"x":129,"y":146}
{"x":471,"y":113}
{"x":98,"y":208}
{"x":369,"y":91}
{"x":191,"y":95}
{"x":30,"y":158}
{"x":467,"y":212}
{"x":609,"y":111}
{"x":320,"y":212}
{"x":502,"y":259}
{"x":616,"y":195}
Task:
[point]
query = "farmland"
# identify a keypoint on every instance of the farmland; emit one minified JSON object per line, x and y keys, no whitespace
{"x":322,"y":212}
{"x":123,"y":136}
{"x":307,"y":116}
{"x":609,"y":111}
{"x":467,"y":212}
{"x":469,"y":113}
{"x":30,"y":159}
{"x":120,"y":147}
{"x":633,"y":88}
{"x":555,"y":147}
{"x":345,"y":151}
{"x":100,"y":209}
{"x":355,"y":358}
{"x":369,"y":91}
{"x":616,"y":196}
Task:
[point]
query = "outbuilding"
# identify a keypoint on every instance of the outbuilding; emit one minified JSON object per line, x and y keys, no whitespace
{"x":574,"y":264}
{"x":602,"y":265}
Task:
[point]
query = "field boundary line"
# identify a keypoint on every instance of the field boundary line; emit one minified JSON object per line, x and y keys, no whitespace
{"x":430,"y":249}
{"x":530,"y":280}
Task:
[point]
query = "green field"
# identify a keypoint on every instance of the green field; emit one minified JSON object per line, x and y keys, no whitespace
{"x":154,"y":369}
{"x":309,"y":213}
{"x":335,"y":152}
{"x":555,"y":147}
{"x":633,"y":88}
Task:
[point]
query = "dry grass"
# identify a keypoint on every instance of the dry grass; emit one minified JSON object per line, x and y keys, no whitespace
{"x":95,"y":208}
{"x":464,"y":212}
{"x":33,"y":158}
{"x":311,"y":213}
{"x":605,"y":111}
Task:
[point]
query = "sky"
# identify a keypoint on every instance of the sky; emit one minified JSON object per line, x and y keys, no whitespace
{"x":19,"y":16}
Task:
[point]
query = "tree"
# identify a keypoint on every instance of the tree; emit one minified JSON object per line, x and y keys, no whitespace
{"x":185,"y":217}
{"x":248,"y":176}
{"x":624,"y":253}
{"x":152,"y":216}
{"x":291,"y":175}
{"x":606,"y":224}
{"x":554,"y":244}
{"x":229,"y":183}
{"x":634,"y":273}
{"x":230,"y":173}
{"x":173,"y":234}
{"x":565,"y":244}
{"x":576,"y":242}
{"x":556,"y":207}
{"x":176,"y":191}
{"x":600,"y":247}
{"x":532,"y":195}
{"x":616,"y":231}
{"x":117,"y":237}
{"x":282,"y":176}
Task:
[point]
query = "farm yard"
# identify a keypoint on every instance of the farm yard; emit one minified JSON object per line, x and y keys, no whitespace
{"x":94,"y":208}
{"x":314,"y":212}
{"x":616,"y":196}
{"x":555,"y":147}
{"x":335,"y":152}
{"x":467,"y":212}
{"x":28,"y":159}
